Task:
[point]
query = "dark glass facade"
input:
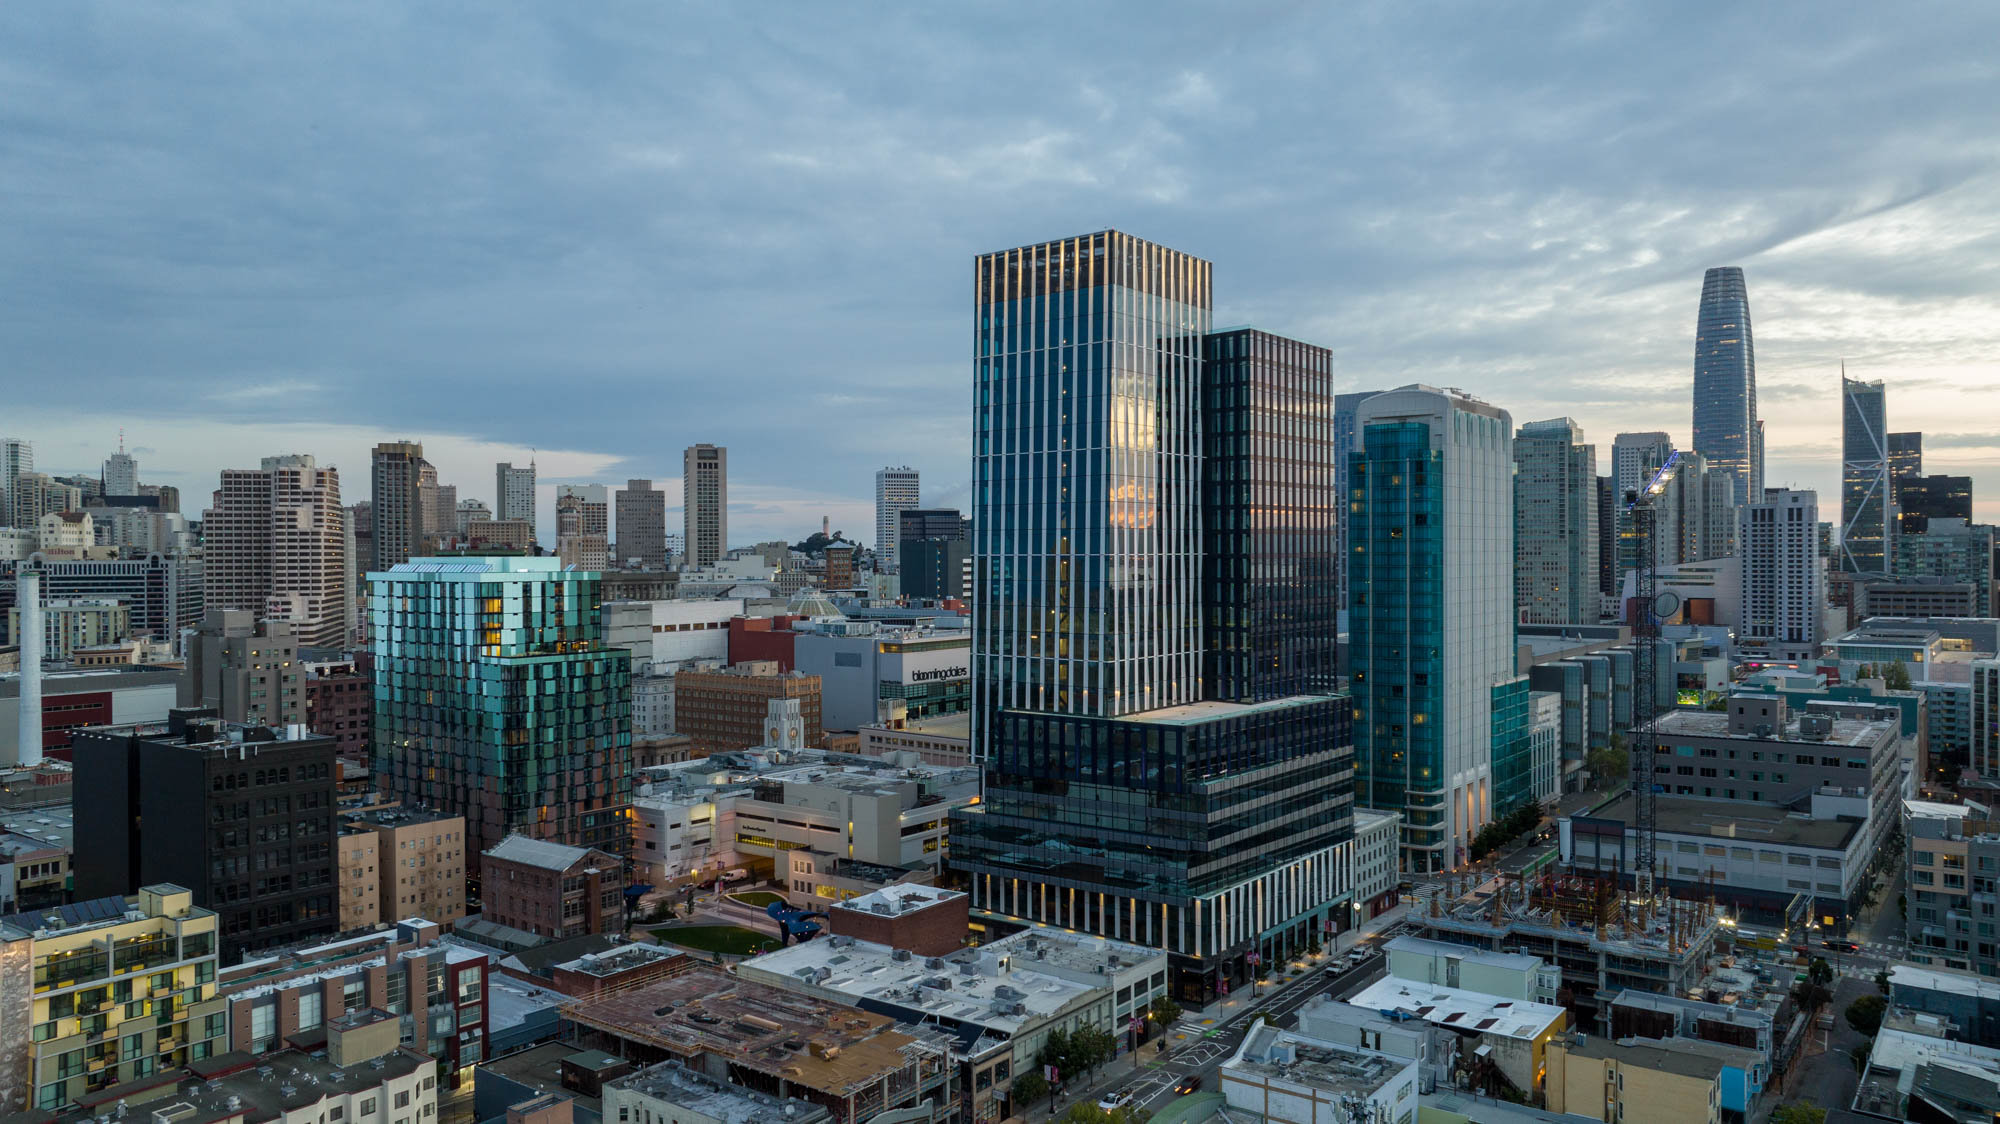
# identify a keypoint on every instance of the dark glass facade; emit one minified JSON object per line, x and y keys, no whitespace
{"x":1270,"y":570}
{"x":1725,"y":382}
{"x":1346,"y":408}
{"x":1906,"y":456}
{"x":1924,"y":498}
{"x":1867,"y":498}
{"x":496,"y":700}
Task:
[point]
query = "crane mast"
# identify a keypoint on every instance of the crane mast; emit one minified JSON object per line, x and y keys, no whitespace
{"x":1645,"y":675}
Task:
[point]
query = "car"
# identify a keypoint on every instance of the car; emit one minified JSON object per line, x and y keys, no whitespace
{"x":1843,"y":946}
{"x":1189,"y":1084}
{"x":1112,"y":1102}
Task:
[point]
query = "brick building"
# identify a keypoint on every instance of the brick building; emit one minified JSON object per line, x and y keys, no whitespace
{"x":338,"y":702}
{"x":415,"y":865}
{"x":925,"y":920}
{"x":552,"y":890}
{"x":724,"y":708}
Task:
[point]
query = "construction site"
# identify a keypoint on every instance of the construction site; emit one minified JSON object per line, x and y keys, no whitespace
{"x":1605,"y":939}
{"x":854,"y":1063}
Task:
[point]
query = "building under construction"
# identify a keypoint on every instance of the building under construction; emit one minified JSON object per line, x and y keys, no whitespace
{"x":1604,"y":939}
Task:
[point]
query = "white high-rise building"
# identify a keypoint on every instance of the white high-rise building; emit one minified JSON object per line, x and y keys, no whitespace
{"x":470,"y":512}
{"x":121,"y":472}
{"x":1431,"y":612}
{"x":896,"y":491}
{"x":16,"y":457}
{"x":514,"y":492}
{"x":1555,"y":523}
{"x":1784,"y":577}
{"x":705,"y":504}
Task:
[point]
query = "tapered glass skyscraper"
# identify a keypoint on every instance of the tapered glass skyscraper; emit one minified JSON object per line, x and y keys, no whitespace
{"x":1154,"y":773}
{"x":1725,"y":383}
{"x":1867,"y":501}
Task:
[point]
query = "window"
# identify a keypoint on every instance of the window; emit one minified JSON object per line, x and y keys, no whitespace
{"x":367,"y":1107}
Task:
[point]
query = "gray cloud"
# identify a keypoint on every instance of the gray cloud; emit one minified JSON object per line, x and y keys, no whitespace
{"x":622,"y":228}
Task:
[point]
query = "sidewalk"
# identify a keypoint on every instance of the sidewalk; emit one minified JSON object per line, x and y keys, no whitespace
{"x":1199,"y":1021}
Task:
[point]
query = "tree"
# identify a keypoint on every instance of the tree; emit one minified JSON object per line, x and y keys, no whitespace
{"x":1882,"y":982}
{"x":1030,"y":1087}
{"x":1820,"y":972}
{"x":1865,"y":1014}
{"x":1799,"y":1112}
{"x":1895,"y":676}
{"x":1609,"y":764}
{"x":1090,"y":1047}
{"x":1084,"y":1112}
{"x":1166,"y":1012}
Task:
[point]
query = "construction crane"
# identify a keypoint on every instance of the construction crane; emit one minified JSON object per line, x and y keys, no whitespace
{"x":1649,"y":608}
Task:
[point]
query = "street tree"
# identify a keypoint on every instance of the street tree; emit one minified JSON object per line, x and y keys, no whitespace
{"x":1799,"y":1112}
{"x":1865,"y":1014}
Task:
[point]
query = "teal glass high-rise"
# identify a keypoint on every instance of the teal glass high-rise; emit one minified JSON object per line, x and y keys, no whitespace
{"x":497,"y":699}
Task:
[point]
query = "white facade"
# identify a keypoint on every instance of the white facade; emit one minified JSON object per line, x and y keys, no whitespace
{"x":1473,"y":444}
{"x":1288,"y":1078}
{"x":66,"y":530}
{"x":1545,"y":743}
{"x":1784,"y":578}
{"x":121,"y":474}
{"x":896,"y":490}
{"x":16,"y":457}
{"x":1375,"y":849}
{"x":514,"y":492}
{"x":470,"y":512}
{"x":16,"y":543}
{"x":1556,"y":532}
{"x":860,"y":666}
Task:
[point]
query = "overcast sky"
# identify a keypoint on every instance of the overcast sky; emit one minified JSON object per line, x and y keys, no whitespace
{"x":607,"y":231}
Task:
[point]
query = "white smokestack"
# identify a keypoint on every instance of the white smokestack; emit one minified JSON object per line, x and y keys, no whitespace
{"x":29,"y":597}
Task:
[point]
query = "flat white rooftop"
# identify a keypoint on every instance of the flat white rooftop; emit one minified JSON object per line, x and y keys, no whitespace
{"x":1458,"y":1009}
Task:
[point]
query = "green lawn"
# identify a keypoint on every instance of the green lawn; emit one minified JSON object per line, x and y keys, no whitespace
{"x":732,"y":940}
{"x":757,"y":899}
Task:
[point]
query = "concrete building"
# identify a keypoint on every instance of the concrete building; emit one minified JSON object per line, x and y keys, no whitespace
{"x":1915,"y":597}
{"x":1432,"y":1049}
{"x":1018,"y":990}
{"x":419,"y":859}
{"x":1952,"y":863}
{"x":1916,"y":1071}
{"x":72,"y":625}
{"x":16,"y":457}
{"x":357,"y":878}
{"x":65,"y":533}
{"x":163,"y":593}
{"x":551,"y":890}
{"x":514,"y":627}
{"x":920,"y":920}
{"x":1784,"y":578}
{"x":1513,"y":1035}
{"x":1971,"y":1002}
{"x":1442,"y":663}
{"x":395,"y":503}
{"x":641,"y":525}
{"x":896,"y":491}
{"x":514,"y":495}
{"x":1555,"y":523}
{"x":247,"y":669}
{"x":672,"y":1091}
{"x":147,"y":802}
{"x":471,"y":511}
{"x":856,"y":1064}
{"x":35,"y":495}
{"x":1633,"y":1082}
{"x":1509,"y":975}
{"x":942,"y":740}
{"x":274,"y":544}
{"x":725,"y":708}
{"x":705,"y":504}
{"x":105,"y":991}
{"x":1669,"y":1019}
{"x":36,"y":852}
{"x":1377,"y":847}
{"x":286,"y":996}
{"x":863,"y":667}
{"x":75,"y":700}
{"x":1289,"y":1078}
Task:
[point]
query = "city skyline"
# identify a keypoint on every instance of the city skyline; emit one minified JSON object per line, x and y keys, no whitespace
{"x":1547,"y":267}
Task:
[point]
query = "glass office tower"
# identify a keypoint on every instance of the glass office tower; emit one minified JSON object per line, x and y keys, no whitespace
{"x":1725,"y":383}
{"x":1431,"y":616}
{"x":496,"y":699}
{"x":1126,"y":795}
{"x":1867,"y":498}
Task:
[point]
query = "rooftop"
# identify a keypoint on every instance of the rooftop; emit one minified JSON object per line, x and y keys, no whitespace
{"x":1715,"y":724}
{"x":400,"y":816}
{"x":46,"y":828}
{"x":537,"y":852}
{"x":1211,"y":710}
{"x":1646,"y":1053}
{"x":1421,"y":946}
{"x":682,"y":1087}
{"x":1940,"y":979}
{"x":1458,"y":1009}
{"x":899,"y":899}
{"x":1741,"y":821}
{"x":97,"y":913}
{"x":813,"y":1042}
{"x":1004,"y":987}
{"x":1902,"y":1062}
{"x":621,"y":959}
{"x":280,"y":1085}
{"x":1268,"y":1052}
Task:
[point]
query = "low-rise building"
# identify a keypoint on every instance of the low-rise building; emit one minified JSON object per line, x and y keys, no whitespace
{"x":1376,"y":853}
{"x":1509,"y":975}
{"x":725,"y":708}
{"x":865,"y":666}
{"x":35,"y":855}
{"x":340,"y":701}
{"x":1509,"y":1034}
{"x":360,"y":1076}
{"x":1916,"y":1072}
{"x":1286,"y":1077}
{"x":855,"y":1064}
{"x":1017,"y":990}
{"x":923,"y":920}
{"x":1971,"y":1002}
{"x":1644,"y":1014}
{"x":1632,"y":1082}
{"x":551,"y":889}
{"x":103,"y":992}
{"x":618,"y":968}
{"x":70,"y":626}
{"x":944,"y":739}
{"x":433,"y":990}
{"x":673,"y":1092}
{"x":357,"y":878}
